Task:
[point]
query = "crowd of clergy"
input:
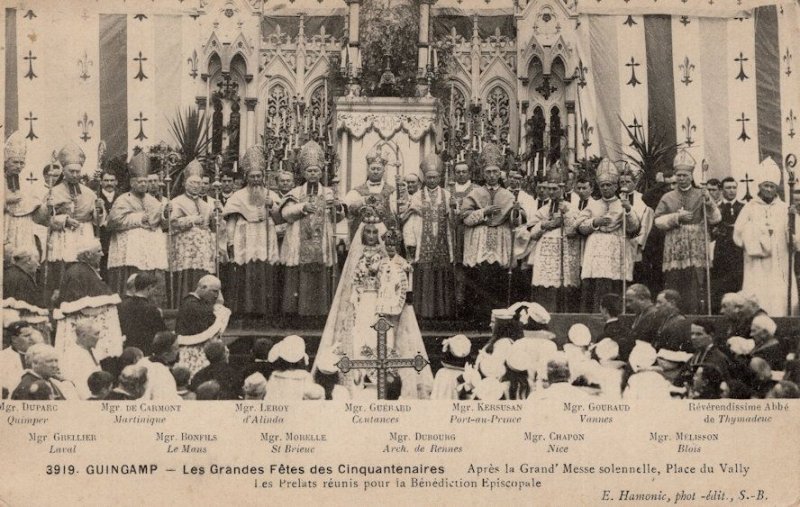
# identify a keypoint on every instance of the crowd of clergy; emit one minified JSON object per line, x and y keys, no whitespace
{"x":89,"y":269}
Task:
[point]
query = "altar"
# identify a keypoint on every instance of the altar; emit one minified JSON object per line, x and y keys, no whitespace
{"x":403,"y":129}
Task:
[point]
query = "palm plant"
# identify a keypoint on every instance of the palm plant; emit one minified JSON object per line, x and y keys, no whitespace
{"x":190,"y":131}
{"x":652,"y":153}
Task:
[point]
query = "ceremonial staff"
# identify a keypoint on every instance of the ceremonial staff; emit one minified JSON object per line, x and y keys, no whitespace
{"x":790,"y":163}
{"x":217,"y":164}
{"x":51,"y":212}
{"x":101,"y":152}
{"x":514,"y":217}
{"x":703,"y":170}
{"x":170,"y":161}
{"x":623,"y":194}
{"x":557,"y":208}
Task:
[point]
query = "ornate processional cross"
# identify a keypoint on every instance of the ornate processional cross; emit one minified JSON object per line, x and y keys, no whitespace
{"x":382,"y":363}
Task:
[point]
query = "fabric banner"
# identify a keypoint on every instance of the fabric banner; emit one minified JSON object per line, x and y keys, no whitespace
{"x":686,"y":83}
{"x":711,"y":8}
{"x":768,"y":83}
{"x":742,"y":117}
{"x":113,"y":67}
{"x":714,"y":113}
{"x":723,"y":88}
{"x":141,"y":76}
{"x":632,"y":69}
{"x":170,"y":63}
{"x":789,"y":28}
{"x":660,"y":78}
{"x":11,"y":100}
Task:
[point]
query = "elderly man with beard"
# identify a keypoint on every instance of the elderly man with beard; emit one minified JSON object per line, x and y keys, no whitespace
{"x":135,"y":222}
{"x":309,"y":250}
{"x":762,"y":230}
{"x":250,"y":214}
{"x":84,"y":295}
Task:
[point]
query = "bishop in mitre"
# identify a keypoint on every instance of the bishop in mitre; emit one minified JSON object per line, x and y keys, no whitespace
{"x":309,"y":250}
{"x":250,"y":215}
{"x":135,"y":222}
{"x":18,"y":224}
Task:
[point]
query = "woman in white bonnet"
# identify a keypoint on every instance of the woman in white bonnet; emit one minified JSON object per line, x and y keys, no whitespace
{"x":288,"y":380}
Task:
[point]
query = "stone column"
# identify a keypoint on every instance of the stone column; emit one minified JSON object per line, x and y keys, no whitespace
{"x":250,"y":120}
{"x":424,"y":41}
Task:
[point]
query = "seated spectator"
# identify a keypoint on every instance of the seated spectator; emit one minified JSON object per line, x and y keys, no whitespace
{"x":610,"y":309}
{"x":12,"y":359}
{"x":761,"y":381}
{"x":130,"y":385}
{"x":43,"y":364}
{"x":785,"y":390}
{"x":327,"y":376}
{"x":675,"y":329}
{"x":289,"y":377}
{"x":255,"y":387}
{"x":768,"y":347}
{"x":139,"y":318}
{"x":706,"y":383}
{"x":78,"y":360}
{"x":209,"y":390}
{"x":219,"y":370}
{"x":182,"y":376}
{"x":259,"y":362}
{"x":100,"y":384}
{"x":160,"y":382}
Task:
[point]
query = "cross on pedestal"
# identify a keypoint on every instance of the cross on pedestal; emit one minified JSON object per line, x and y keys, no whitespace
{"x":747,"y":180}
{"x":382,"y":363}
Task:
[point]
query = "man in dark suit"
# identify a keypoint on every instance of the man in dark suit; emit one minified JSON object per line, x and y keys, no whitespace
{"x":132,"y":384}
{"x":728,"y":265}
{"x":610,"y":309}
{"x":139,"y":318}
{"x":648,"y":318}
{"x":705,"y":350}
{"x":675,"y":328}
{"x":19,"y":278}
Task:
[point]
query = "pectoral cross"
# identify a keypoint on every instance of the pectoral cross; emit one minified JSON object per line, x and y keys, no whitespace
{"x":382,"y":363}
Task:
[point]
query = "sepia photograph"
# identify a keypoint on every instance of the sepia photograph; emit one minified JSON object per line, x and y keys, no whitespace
{"x":560,"y":219}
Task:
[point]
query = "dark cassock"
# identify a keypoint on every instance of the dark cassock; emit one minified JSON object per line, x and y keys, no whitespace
{"x":140,"y":320}
{"x":674,"y":332}
{"x":680,"y":215}
{"x":556,"y":256}
{"x":253,"y":241}
{"x":523,"y":259}
{"x":19,"y":208}
{"x":193,"y":238}
{"x":22,"y":295}
{"x":459,"y":189}
{"x":309,"y":250}
{"x":628,"y":180}
{"x":728,"y":264}
{"x":107,"y":194}
{"x":650,"y":271}
{"x":200,"y":318}
{"x":374,"y":193}
{"x":135,"y":225}
{"x":487,"y":238}
{"x":607,"y":259}
{"x":71,"y":218}
{"x":428,"y":235}
{"x":84,"y":295}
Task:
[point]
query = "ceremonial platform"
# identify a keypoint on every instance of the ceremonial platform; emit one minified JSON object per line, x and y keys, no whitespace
{"x":241,"y":333}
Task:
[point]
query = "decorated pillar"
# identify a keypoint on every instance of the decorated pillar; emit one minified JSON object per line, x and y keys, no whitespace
{"x":353,"y":51}
{"x":424,"y":43}
{"x":571,"y":146}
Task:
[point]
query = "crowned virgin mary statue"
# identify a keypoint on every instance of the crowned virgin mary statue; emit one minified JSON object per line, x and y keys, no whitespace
{"x":375,"y":282}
